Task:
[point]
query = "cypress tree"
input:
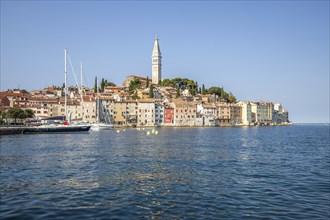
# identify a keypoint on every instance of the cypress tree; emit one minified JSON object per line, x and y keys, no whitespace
{"x":151,"y":91}
{"x":102,"y":85}
{"x":95,"y":85}
{"x":203,"y":90}
{"x":147,"y":86}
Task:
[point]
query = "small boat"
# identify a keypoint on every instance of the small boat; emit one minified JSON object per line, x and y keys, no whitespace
{"x":101,"y":126}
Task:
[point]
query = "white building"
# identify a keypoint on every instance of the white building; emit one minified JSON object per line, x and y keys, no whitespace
{"x":246,"y":112}
{"x":280,"y":115}
{"x":146,"y":113}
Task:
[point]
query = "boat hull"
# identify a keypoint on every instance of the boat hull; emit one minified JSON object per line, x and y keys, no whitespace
{"x":54,"y":129}
{"x":97,"y":127}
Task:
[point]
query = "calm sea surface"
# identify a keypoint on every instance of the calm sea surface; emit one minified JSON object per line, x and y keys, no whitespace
{"x":194,"y":173}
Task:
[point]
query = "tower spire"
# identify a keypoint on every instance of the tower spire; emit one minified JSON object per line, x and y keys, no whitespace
{"x":156,"y":62}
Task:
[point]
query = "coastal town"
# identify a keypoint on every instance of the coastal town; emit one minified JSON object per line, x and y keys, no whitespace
{"x":141,"y":101}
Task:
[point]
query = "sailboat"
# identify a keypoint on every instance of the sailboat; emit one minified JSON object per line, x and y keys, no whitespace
{"x":101,"y":112}
{"x":66,"y":126}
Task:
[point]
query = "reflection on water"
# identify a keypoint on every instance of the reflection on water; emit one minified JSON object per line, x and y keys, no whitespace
{"x":260,"y":172}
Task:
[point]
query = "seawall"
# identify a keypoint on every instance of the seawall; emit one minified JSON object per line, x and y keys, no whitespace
{"x":11,"y":130}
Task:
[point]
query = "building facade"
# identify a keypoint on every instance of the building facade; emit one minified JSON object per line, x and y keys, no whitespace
{"x":159,"y":113}
{"x":146,"y":113}
{"x":184,"y":113}
{"x":168,"y":115}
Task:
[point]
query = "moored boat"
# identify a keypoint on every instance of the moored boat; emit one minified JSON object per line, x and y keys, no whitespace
{"x":59,"y":123}
{"x":56,"y":128}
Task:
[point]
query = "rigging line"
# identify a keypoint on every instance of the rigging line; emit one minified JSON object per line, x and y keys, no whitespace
{"x":74,"y":74}
{"x":85,"y":80}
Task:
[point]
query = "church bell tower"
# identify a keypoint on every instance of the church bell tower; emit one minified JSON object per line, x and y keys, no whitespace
{"x":156,"y":63}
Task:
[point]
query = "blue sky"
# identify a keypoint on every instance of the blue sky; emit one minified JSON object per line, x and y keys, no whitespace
{"x":258,"y":50}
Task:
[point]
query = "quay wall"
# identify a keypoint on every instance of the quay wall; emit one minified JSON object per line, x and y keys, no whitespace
{"x":11,"y":130}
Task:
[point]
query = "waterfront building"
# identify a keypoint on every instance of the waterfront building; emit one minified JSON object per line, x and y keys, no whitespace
{"x":208,"y":114}
{"x":89,"y":109}
{"x":263,"y":112}
{"x":228,"y":114}
{"x":184,"y":113}
{"x":156,"y":63}
{"x":74,"y":110}
{"x":146,"y":113}
{"x":270,"y":111}
{"x":223,"y":114}
{"x":131,"y":112}
{"x":280,"y":115}
{"x":235,"y":114}
{"x":118,"y":111}
{"x":159,"y":113}
{"x":246,"y":112}
{"x":56,"y":109}
{"x":206,"y":109}
{"x":168,"y":115}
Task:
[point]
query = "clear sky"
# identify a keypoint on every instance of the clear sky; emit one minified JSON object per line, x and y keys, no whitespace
{"x":258,"y":50}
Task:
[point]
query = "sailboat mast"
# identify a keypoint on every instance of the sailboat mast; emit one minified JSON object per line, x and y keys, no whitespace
{"x":65,"y":89}
{"x":81,"y":91}
{"x":97,"y":102}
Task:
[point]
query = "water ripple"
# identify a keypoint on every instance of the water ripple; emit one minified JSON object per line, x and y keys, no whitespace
{"x":194,"y":173}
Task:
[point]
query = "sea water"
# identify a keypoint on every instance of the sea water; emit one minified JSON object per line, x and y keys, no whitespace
{"x":196,"y":173}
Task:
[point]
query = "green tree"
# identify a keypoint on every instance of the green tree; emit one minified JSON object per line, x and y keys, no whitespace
{"x":2,"y":117}
{"x":110,"y":84}
{"x":102,"y":85}
{"x":232,"y":98}
{"x":95,"y":85}
{"x":166,"y":82}
{"x":215,"y":90}
{"x":134,"y":85}
{"x":151,"y":91}
{"x":15,"y":113}
{"x":135,"y":96}
{"x":159,"y":82}
{"x":203,"y":90}
{"x":29,"y":113}
{"x":199,"y":90}
{"x":147,"y":86}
